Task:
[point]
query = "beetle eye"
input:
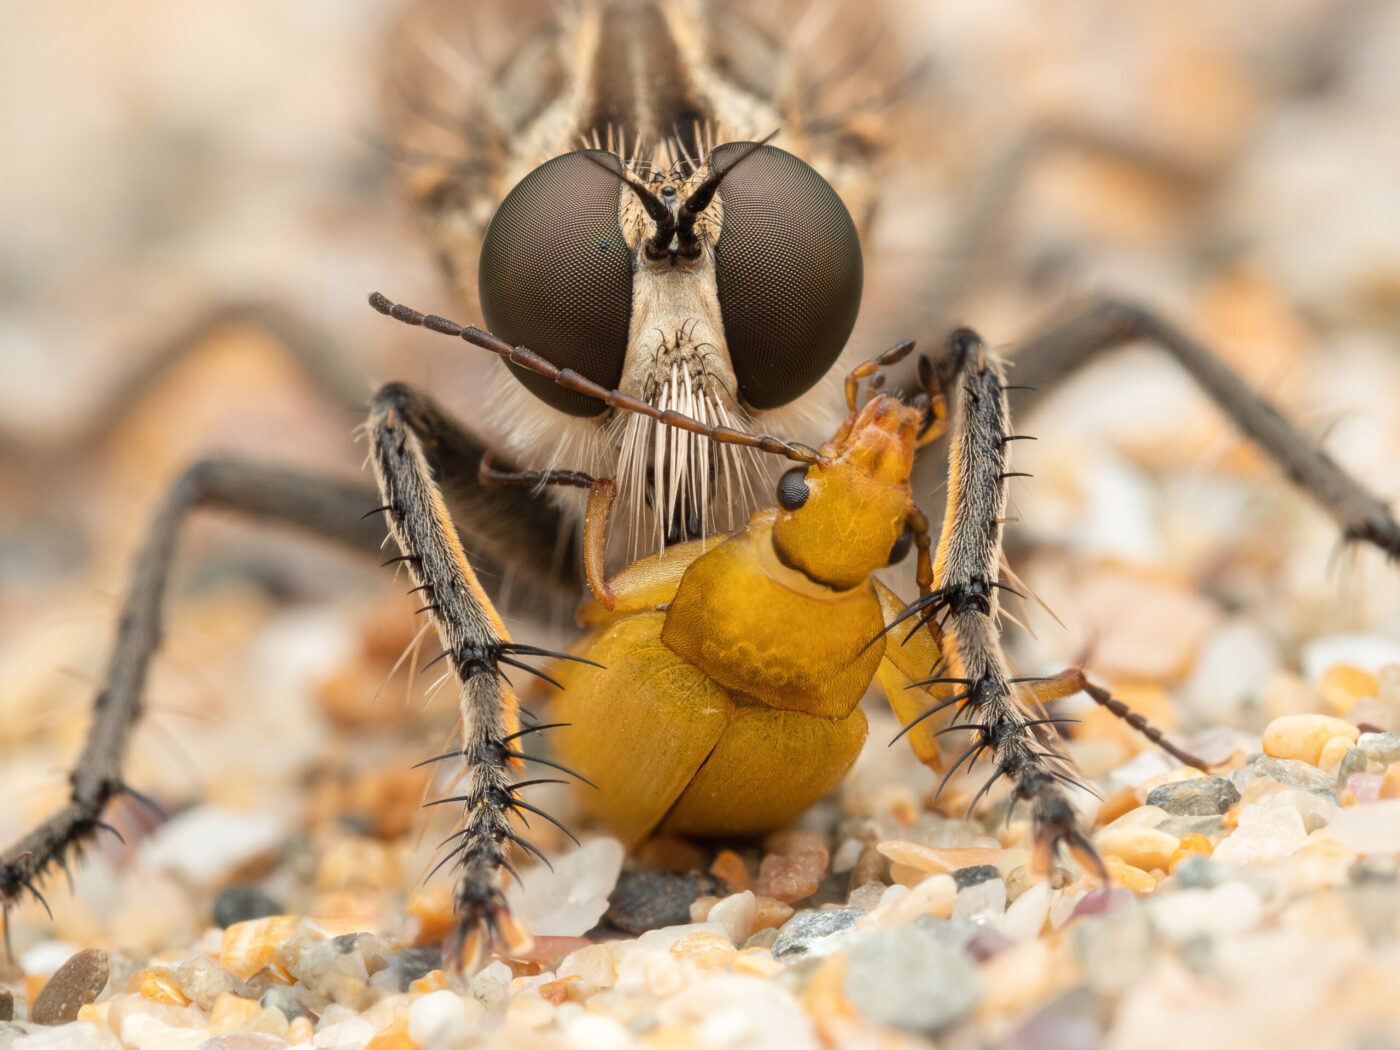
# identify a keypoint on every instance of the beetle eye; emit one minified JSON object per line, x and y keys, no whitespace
{"x":901,"y":547}
{"x":789,"y":273}
{"x":556,"y":275}
{"x":792,"y":488}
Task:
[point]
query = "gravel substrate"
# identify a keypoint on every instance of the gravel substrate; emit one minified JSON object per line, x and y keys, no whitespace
{"x":280,"y":898}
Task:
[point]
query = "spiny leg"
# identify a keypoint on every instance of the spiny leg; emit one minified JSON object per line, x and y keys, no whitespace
{"x":965,"y":597}
{"x":1046,"y":358}
{"x":476,"y":643}
{"x":323,"y":506}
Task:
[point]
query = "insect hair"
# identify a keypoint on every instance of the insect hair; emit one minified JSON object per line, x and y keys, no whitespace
{"x":963,"y":609}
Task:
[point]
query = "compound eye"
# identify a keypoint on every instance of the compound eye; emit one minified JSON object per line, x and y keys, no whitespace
{"x":789,"y":273}
{"x":556,"y":275}
{"x":792,"y":489}
{"x":902,"y":546}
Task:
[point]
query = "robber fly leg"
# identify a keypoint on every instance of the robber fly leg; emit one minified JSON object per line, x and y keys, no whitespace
{"x":402,"y":426}
{"x":327,"y":507}
{"x":1107,"y":323}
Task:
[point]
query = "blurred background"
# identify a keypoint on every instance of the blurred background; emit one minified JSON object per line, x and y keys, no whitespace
{"x":198,"y":200}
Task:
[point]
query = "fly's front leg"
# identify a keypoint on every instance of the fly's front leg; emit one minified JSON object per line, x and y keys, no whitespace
{"x":319,"y":505}
{"x":402,"y":427}
{"x":1107,"y":323}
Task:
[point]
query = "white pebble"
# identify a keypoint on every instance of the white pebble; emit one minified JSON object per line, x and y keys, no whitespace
{"x":1143,"y":766}
{"x":568,"y":901}
{"x":353,"y":1031}
{"x":1232,"y":662}
{"x":438,"y":1019}
{"x":1231,"y":907}
{"x":1369,"y":652}
{"x":81,"y":1035}
{"x":42,"y":959}
{"x":1373,"y":828}
{"x":204,"y":844}
{"x":741,"y":1012}
{"x":1025,"y":917}
{"x":1268,"y":830}
{"x":491,"y":983}
{"x":595,"y":1032}
{"x":736,"y":913}
{"x":984,"y":902}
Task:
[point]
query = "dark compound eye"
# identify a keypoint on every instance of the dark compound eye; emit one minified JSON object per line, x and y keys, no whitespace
{"x":556,"y":275}
{"x":789,"y":273}
{"x":901,"y":547}
{"x":792,"y":488}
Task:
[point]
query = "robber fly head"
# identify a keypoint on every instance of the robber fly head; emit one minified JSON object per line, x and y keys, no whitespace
{"x":718,"y":289}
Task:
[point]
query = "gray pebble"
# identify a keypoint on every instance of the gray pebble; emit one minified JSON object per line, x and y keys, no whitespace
{"x":1183,"y":826}
{"x":800,"y":934}
{"x":240,"y":903}
{"x":1200,"y":873}
{"x":1288,"y":771}
{"x":283,"y":998}
{"x":650,"y":899}
{"x":1383,"y":748}
{"x":978,"y":873}
{"x":414,"y":963}
{"x":1202,"y":797}
{"x":1354,"y":761}
{"x":76,"y":983}
{"x":912,"y":978}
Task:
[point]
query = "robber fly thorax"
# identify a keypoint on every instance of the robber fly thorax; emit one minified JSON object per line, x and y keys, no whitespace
{"x":595,"y":196}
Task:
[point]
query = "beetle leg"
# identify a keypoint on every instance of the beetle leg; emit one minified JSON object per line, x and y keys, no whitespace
{"x":1107,"y":323}
{"x":324,"y":506}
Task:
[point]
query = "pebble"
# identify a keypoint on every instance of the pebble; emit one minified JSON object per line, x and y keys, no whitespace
{"x":730,"y":869}
{"x":1198,"y":797}
{"x":971,"y":876}
{"x":652,"y":899}
{"x":794,"y":873}
{"x":1373,"y":828}
{"x":1142,"y":847}
{"x":737,"y":913}
{"x":1380,"y":747}
{"x":1303,"y":737}
{"x":1366,"y":652}
{"x":1230,"y":907}
{"x":569,"y":900}
{"x":441,"y":1019}
{"x":76,"y":983}
{"x":810,"y":933}
{"x":204,"y":844}
{"x":250,"y":946}
{"x":594,"y":967}
{"x":1342,"y":685}
{"x":7,"y":1005}
{"x":982,"y":902}
{"x":492,"y":983}
{"x":243,"y":1041}
{"x":1025,"y":916}
{"x":1229,"y":667}
{"x":240,"y":903}
{"x":734,"y":1012}
{"x":1267,"y":831}
{"x":912,"y":978}
{"x":1286,"y":771}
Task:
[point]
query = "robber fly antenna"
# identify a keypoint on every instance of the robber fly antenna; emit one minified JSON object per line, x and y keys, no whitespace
{"x":705,"y":192}
{"x":571,"y":380}
{"x":654,"y":205}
